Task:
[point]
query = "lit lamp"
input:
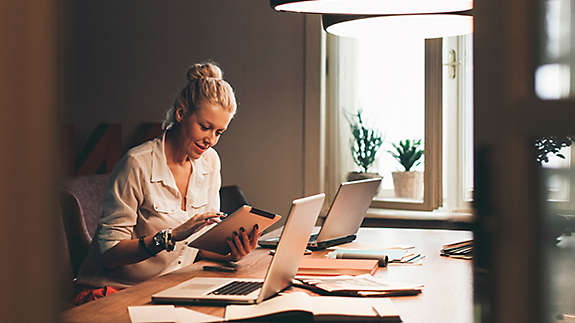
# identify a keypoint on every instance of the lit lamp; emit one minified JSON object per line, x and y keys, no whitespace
{"x":372,"y":7}
{"x":387,"y":18}
{"x":404,"y":26}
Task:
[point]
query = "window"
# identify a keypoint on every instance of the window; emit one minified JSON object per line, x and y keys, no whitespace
{"x":399,"y":86}
{"x":553,"y":81}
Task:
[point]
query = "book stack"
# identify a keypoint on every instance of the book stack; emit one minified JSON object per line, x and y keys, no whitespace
{"x":334,"y":267}
{"x":461,"y":249}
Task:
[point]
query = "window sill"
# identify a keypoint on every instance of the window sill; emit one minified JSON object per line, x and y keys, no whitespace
{"x":439,"y":219}
{"x":419,"y":215}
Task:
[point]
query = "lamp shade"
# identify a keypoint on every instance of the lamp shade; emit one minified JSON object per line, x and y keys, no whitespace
{"x":372,"y":7}
{"x":399,"y":26}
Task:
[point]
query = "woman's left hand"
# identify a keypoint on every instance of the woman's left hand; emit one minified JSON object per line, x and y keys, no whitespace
{"x":242,"y":243}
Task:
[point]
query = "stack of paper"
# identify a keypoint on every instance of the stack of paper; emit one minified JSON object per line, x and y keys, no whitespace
{"x":336,"y":267}
{"x":362,"y":285}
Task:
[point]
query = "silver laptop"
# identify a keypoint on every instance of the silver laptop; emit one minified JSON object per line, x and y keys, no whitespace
{"x":216,"y":290}
{"x":343,"y":218}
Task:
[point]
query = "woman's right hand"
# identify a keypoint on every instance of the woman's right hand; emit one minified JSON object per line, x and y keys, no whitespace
{"x":194,"y":224}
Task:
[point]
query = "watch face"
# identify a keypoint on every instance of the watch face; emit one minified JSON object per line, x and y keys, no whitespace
{"x":158,"y":239}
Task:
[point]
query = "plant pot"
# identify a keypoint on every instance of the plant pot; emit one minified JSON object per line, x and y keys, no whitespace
{"x":356,"y":176}
{"x":408,"y":184}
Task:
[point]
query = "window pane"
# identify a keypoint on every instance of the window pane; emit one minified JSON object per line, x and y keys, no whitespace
{"x":558,"y":244}
{"x":465,"y":121}
{"x":391,"y":95}
{"x":554,"y":75}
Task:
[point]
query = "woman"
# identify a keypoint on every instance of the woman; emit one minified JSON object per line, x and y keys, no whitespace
{"x":165,"y":192}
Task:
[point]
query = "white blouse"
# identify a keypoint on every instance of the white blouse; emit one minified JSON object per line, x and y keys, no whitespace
{"x":141,"y":199}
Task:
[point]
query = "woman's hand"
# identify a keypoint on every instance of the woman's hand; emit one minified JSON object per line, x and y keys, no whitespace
{"x":194,"y":224}
{"x":241,"y":243}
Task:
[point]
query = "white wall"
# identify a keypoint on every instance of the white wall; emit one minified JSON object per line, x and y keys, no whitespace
{"x":123,"y":62}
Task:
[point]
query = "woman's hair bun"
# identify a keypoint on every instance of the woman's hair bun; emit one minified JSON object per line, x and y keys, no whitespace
{"x":203,"y":71}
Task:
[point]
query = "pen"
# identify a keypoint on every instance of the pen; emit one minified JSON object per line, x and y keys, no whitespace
{"x":413,"y":258}
{"x":306,"y":252}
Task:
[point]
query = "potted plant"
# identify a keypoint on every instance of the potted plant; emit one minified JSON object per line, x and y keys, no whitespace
{"x":551,"y":145}
{"x":408,"y":183}
{"x":364,"y":147}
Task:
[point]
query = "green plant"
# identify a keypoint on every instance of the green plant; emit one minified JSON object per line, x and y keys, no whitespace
{"x":551,"y":145}
{"x":365,"y":142}
{"x":407,"y":153}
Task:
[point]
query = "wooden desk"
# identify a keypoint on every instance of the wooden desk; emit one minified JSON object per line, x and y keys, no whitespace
{"x":447,"y":296}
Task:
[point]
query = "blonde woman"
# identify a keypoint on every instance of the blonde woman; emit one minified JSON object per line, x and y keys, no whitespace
{"x":165,"y":192}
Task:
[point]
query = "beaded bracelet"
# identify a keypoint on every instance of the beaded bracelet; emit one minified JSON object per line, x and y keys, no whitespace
{"x":169,"y":243}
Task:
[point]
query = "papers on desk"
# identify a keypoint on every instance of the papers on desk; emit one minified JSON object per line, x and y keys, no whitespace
{"x":318,"y":307}
{"x":152,"y":313}
{"x":335,"y":267}
{"x":168,"y":313}
{"x":361,"y":285}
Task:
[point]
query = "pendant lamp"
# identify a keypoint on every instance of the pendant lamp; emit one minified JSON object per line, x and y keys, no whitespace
{"x":372,"y":7}
{"x":387,"y":18}
{"x":398,"y":26}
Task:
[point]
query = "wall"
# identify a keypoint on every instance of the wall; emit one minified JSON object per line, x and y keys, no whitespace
{"x":123,"y":62}
{"x":29,"y":234}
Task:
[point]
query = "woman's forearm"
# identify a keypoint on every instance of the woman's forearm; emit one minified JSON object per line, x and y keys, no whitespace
{"x":128,"y":252}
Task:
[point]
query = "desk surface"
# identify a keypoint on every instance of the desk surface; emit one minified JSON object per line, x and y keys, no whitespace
{"x":447,"y":294}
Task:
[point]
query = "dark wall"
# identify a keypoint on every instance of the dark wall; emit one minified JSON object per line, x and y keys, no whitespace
{"x":124,"y":61}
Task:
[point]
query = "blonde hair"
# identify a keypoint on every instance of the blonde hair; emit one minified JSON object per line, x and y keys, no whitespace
{"x":205,"y":85}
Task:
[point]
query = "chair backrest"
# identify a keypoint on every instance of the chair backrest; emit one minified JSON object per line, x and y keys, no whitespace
{"x":81,"y":203}
{"x":232,"y":198}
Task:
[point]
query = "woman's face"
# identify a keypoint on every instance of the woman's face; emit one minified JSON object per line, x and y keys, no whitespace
{"x":202,"y":129}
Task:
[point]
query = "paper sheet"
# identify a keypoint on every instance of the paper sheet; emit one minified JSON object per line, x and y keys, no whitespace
{"x":168,"y":313}
{"x":152,"y":314}
{"x":186,"y":315}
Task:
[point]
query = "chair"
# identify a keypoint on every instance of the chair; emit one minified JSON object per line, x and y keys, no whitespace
{"x":231,"y":199}
{"x":81,"y":204}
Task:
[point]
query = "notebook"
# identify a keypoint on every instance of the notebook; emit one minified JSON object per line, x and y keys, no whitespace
{"x":343,"y":218}
{"x":336,"y":267}
{"x":316,"y":308}
{"x":216,"y":290}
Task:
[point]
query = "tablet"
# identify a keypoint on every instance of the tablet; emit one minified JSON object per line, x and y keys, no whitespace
{"x":215,"y":238}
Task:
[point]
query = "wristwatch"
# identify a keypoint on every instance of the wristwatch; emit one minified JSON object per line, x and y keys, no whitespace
{"x":163,"y":240}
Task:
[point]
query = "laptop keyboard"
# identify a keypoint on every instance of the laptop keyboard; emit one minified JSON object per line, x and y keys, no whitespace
{"x":237,"y":288}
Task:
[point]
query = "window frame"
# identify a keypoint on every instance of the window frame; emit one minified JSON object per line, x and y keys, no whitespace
{"x":433,"y":194}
